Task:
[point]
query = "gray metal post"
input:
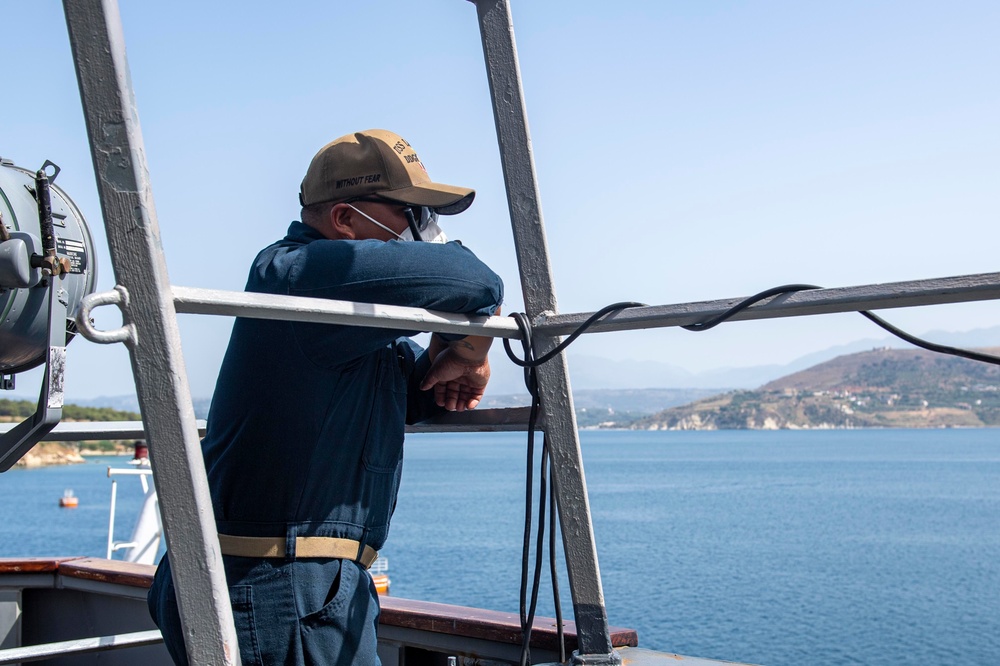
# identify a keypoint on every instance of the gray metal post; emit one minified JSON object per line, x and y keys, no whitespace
{"x":537,"y":285}
{"x":116,"y":146}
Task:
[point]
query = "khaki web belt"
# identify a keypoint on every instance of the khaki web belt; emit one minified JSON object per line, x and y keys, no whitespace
{"x":322,"y":547}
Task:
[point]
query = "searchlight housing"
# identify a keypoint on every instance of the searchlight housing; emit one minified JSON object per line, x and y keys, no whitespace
{"x":47,"y":267}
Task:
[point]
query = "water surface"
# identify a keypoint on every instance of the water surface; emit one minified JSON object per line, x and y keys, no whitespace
{"x":827,"y":547}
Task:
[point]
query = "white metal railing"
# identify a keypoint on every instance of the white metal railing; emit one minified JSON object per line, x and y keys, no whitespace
{"x":142,"y":473}
{"x":29,"y":653}
{"x":913,"y":293}
{"x":194,"y":300}
{"x":379,"y":566}
{"x":504,"y":419}
{"x":82,"y":431}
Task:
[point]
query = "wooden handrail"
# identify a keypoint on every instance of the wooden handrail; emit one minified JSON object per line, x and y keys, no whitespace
{"x":462,"y":621}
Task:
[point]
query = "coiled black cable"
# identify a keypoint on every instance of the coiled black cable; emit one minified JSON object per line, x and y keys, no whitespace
{"x":546,"y":482}
{"x":523,"y":324}
{"x":527,"y":611}
{"x":931,"y":346}
{"x":747,"y":302}
{"x":899,"y":333}
{"x":530,"y":363}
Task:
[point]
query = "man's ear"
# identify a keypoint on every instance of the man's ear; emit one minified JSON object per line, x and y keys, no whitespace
{"x":341,"y":221}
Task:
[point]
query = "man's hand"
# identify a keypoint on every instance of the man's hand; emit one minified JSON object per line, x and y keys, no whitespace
{"x":459,"y":371}
{"x":458,"y":382}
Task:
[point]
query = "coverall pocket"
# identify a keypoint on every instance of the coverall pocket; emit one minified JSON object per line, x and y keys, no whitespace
{"x":241,"y":597}
{"x":342,"y":632}
{"x":343,"y":583}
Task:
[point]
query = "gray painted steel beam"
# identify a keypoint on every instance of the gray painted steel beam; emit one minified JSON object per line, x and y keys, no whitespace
{"x":79,"y":646}
{"x":10,"y":618}
{"x":84,"y":431}
{"x":192,"y":300}
{"x":508,"y":419}
{"x":912,"y":293}
{"x":497,"y":31}
{"x":116,"y":146}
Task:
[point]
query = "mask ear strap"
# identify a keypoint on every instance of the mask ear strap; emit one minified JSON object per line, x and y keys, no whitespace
{"x":376,"y":222}
{"x":411,"y":220}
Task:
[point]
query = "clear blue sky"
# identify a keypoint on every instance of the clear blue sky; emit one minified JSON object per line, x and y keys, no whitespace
{"x":685,"y":150}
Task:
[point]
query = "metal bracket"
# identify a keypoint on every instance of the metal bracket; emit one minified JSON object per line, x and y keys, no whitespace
{"x":55,"y":170}
{"x":85,"y":325}
{"x":19,"y":440}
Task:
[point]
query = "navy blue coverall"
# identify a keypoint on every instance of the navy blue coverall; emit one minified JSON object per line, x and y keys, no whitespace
{"x":305,"y":438}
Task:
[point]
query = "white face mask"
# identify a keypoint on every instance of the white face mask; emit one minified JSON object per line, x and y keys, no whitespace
{"x":431,"y":234}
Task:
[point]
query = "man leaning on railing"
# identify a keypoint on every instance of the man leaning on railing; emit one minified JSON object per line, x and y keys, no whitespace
{"x":305,"y":434}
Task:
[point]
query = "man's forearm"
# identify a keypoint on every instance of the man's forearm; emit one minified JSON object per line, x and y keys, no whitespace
{"x":472,"y":348}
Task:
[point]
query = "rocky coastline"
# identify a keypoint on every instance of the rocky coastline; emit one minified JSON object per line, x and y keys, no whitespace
{"x":46,"y":454}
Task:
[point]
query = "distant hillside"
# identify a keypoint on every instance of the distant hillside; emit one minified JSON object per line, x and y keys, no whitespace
{"x":61,"y":453}
{"x":611,"y":408}
{"x":16,"y":410}
{"x":878,"y":388}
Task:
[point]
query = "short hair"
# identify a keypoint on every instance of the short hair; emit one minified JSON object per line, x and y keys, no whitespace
{"x":315,"y":213}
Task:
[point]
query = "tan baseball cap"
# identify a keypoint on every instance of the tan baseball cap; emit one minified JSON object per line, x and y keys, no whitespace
{"x":377,"y":163}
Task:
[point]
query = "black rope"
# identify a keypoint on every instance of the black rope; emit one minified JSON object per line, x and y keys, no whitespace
{"x":547,"y":483}
{"x":539,"y":552}
{"x":531,"y":362}
{"x":527,"y":614}
{"x":899,"y":333}
{"x":931,"y":346}
{"x":546,"y":498}
{"x":744,"y":304}
{"x":521,"y":320}
{"x":523,"y":324}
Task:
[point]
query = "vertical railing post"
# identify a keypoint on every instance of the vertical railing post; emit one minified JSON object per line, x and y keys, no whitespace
{"x":116,"y":145}
{"x":539,"y":297}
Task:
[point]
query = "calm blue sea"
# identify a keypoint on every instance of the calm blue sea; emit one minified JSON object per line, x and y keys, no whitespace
{"x":830,"y":547}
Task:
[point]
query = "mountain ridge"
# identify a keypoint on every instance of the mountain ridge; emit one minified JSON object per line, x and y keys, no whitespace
{"x":882,"y":387}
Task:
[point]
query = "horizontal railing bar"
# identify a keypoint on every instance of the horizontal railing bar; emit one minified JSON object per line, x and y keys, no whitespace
{"x":79,"y":646}
{"x":937,"y":291}
{"x":192,"y":300}
{"x":962,"y":289}
{"x":83,"y":431}
{"x":137,"y":471}
{"x":505,"y":419}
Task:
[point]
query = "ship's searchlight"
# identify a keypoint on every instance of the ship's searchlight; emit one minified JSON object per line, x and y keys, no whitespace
{"x":47,"y":267}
